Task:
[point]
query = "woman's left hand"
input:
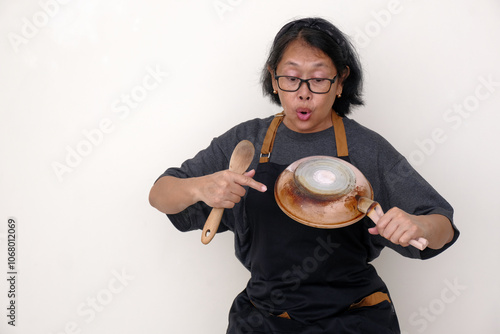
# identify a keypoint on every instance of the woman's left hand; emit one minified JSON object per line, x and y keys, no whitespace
{"x":400,"y":227}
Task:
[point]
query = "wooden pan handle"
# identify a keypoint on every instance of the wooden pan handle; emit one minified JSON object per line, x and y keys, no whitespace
{"x":211,"y":225}
{"x":376,"y":212}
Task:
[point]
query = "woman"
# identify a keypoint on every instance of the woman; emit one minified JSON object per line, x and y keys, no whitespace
{"x":305,"y":279}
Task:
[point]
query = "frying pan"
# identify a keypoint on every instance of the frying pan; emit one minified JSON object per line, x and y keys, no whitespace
{"x":327,"y":192}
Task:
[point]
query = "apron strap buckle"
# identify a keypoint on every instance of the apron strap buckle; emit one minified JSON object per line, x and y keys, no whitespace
{"x":264,"y":157}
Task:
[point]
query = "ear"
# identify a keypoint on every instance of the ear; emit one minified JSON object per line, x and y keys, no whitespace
{"x":343,"y":77}
{"x":273,"y":81}
{"x":345,"y":74}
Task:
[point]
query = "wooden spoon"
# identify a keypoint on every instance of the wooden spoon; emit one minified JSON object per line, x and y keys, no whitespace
{"x":240,"y":161}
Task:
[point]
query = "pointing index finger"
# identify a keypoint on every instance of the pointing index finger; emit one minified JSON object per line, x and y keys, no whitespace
{"x":248,"y":181}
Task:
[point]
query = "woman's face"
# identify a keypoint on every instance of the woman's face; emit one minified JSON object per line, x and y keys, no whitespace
{"x":306,"y":111}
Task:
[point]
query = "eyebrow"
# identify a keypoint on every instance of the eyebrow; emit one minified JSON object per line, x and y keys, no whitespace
{"x":319,"y":64}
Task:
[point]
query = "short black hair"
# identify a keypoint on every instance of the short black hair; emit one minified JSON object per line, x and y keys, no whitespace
{"x":323,"y":35}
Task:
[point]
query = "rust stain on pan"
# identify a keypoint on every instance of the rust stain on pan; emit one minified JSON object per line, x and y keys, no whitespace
{"x":320,"y":212}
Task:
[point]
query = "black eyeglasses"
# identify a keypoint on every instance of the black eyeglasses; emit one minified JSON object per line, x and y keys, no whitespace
{"x":316,"y":85}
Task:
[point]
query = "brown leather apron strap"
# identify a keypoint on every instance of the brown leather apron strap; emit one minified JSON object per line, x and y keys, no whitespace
{"x":283,"y":315}
{"x":370,"y":300}
{"x":267,"y":145}
{"x":340,"y":136}
{"x":373,"y":299}
{"x":338,"y":128}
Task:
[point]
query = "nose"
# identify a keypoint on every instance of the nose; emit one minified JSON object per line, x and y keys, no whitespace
{"x":304,"y":92}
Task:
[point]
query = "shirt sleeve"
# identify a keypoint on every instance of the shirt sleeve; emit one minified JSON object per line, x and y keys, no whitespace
{"x":403,"y":187}
{"x":212,"y":159}
{"x":207,"y":161}
{"x":395,"y":183}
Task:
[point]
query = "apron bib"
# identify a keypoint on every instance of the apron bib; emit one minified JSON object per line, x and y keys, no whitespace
{"x":306,"y":279}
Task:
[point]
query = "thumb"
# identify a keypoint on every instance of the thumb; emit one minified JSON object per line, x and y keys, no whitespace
{"x":373,"y":230}
{"x":250,"y":173}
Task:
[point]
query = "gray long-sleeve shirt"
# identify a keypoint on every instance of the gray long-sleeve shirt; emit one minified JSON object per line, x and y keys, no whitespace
{"x":395,"y":183}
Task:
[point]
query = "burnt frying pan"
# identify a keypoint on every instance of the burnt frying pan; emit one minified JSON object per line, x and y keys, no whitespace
{"x":327,"y":192}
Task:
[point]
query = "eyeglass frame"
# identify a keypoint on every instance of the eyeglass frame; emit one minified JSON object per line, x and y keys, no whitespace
{"x":332,"y":81}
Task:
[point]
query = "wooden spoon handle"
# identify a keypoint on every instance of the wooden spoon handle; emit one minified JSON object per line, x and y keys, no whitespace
{"x":240,"y":160}
{"x":376,"y":213}
{"x":211,"y":225}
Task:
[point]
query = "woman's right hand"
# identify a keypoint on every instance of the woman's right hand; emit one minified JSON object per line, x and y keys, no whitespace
{"x":225,"y":188}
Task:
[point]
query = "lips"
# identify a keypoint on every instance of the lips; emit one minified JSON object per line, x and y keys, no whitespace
{"x":303,"y":114}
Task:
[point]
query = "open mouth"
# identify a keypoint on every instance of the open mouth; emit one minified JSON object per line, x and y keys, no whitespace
{"x":303,"y":114}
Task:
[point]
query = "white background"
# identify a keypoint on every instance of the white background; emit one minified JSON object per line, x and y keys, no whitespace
{"x":67,"y":69}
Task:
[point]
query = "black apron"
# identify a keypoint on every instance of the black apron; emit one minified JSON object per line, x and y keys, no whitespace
{"x":306,"y":279}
